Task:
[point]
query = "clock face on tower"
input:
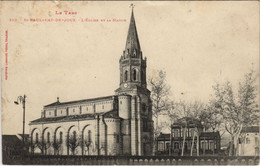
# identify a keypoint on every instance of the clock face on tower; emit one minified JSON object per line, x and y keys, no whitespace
{"x":125,"y":85}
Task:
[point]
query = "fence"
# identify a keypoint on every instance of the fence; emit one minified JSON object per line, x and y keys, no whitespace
{"x":133,"y":160}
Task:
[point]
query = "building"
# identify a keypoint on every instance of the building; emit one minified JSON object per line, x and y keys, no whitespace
{"x":249,"y":141}
{"x":119,"y":124}
{"x":163,"y":143}
{"x":210,"y":142}
{"x":191,"y":130}
{"x":12,"y":145}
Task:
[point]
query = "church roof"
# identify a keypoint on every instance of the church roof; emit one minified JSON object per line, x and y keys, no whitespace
{"x":63,"y":118}
{"x":57,"y":103}
{"x":132,"y":41}
{"x":109,"y":114}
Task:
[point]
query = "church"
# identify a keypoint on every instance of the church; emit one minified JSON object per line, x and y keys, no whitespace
{"x":120,"y":124}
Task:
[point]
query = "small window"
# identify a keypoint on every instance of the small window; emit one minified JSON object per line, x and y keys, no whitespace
{"x":247,"y":140}
{"x":37,"y":138}
{"x":126,"y":75}
{"x":102,"y":106}
{"x":61,"y":134}
{"x":134,"y":75}
{"x":49,"y":112}
{"x":74,"y":135}
{"x":48,"y":137}
{"x":87,"y":108}
{"x":117,"y":138}
{"x":73,"y":110}
{"x":60,"y":112}
{"x":161,"y":146}
{"x":176,"y":145}
{"x":89,"y":136}
{"x":120,"y":102}
{"x":256,"y":141}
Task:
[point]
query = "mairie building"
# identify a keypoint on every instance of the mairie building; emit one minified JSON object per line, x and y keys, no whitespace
{"x":119,"y":124}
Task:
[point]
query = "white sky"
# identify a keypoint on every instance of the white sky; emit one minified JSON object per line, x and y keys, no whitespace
{"x":196,"y":43}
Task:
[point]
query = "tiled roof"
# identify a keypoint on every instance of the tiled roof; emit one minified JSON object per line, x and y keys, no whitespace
{"x":251,"y":129}
{"x":10,"y":140}
{"x":57,"y":103}
{"x":64,"y":118}
{"x":163,"y":136}
{"x":209,"y":134}
{"x":189,"y":120}
{"x":109,"y":114}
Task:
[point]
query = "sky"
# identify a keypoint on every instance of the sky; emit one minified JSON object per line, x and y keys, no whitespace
{"x":196,"y":43}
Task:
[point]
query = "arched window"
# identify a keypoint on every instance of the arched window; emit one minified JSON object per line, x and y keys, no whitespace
{"x":89,"y":136}
{"x":37,"y":138}
{"x":74,"y":135}
{"x":176,"y":133}
{"x":134,"y":75}
{"x":126,"y":75}
{"x":61,"y":134}
{"x":176,"y":145}
{"x":48,"y":137}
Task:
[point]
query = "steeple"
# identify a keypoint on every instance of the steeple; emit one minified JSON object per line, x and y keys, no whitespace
{"x":132,"y":47}
{"x":132,"y":64}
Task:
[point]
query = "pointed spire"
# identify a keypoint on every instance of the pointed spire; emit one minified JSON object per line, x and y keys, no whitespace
{"x":132,"y":41}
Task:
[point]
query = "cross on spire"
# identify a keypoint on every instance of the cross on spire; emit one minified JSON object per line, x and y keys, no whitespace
{"x":132,"y":6}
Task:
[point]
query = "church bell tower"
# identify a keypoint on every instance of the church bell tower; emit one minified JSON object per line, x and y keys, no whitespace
{"x":135,"y":105}
{"x":132,"y":63}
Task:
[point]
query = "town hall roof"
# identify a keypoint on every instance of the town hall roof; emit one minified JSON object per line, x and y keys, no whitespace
{"x":189,"y":121}
{"x":250,"y":129}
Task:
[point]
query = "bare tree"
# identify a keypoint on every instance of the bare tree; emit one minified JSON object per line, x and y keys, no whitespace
{"x":43,"y":145}
{"x":32,"y":145}
{"x":73,"y":142}
{"x":88,"y":144}
{"x":159,"y":95}
{"x":56,"y":144}
{"x":187,"y":111}
{"x":238,"y":110}
{"x":160,"y":92}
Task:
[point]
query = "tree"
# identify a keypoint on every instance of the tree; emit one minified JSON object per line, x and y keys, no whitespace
{"x":56,"y":144}
{"x":186,"y":112}
{"x":159,"y":93}
{"x":32,"y":144}
{"x":43,"y":145}
{"x":160,"y":101}
{"x":73,"y":142}
{"x":237,"y":110}
{"x":88,"y":144}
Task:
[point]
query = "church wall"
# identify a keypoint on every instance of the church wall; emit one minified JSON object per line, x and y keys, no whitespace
{"x":104,"y":106}
{"x":126,"y":136}
{"x":74,"y":109}
{"x":50,"y":113}
{"x":61,"y":112}
{"x":113,"y":136}
{"x":124,"y":106}
{"x":67,"y":128}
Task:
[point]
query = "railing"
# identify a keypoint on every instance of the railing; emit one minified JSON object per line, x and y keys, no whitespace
{"x":133,"y":160}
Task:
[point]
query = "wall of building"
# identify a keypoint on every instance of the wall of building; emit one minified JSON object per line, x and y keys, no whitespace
{"x":249,"y":145}
{"x":77,"y":109}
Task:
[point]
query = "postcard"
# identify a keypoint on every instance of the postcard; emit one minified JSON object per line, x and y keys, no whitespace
{"x":130,"y":82}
